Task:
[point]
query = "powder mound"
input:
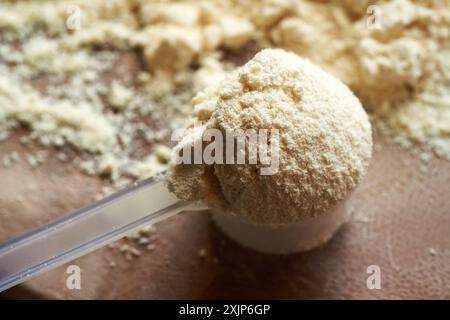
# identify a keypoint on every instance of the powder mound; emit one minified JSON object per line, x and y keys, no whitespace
{"x":325,"y":141}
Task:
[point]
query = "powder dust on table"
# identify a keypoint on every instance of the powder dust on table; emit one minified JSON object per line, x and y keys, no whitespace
{"x":54,"y":76}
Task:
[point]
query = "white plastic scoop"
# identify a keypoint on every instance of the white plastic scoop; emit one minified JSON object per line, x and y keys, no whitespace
{"x":145,"y":203}
{"x":87,"y":229}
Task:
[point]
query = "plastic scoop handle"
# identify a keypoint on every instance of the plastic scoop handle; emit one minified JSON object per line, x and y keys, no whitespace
{"x":85,"y":230}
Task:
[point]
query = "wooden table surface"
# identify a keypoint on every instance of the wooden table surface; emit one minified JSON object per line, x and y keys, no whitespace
{"x":401,"y":223}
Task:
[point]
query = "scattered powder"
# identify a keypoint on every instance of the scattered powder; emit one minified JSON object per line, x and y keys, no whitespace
{"x":325,"y":141}
{"x":61,"y":156}
{"x":129,"y":251}
{"x":143,"y":241}
{"x":10,"y":159}
{"x":404,"y":69}
{"x":399,"y":71}
{"x":136,"y":243}
{"x":54,"y":121}
{"x":3,"y":135}
{"x":32,"y":161}
{"x":120,"y":96}
{"x":55,"y":84}
{"x":202,"y":253}
{"x":135,"y":252}
{"x":432,"y":252}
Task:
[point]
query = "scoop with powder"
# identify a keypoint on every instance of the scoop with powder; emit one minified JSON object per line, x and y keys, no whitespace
{"x":324,"y":142}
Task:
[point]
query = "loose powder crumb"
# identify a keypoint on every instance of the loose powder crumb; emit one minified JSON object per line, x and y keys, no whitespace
{"x":202,"y":253}
{"x":432,"y":252}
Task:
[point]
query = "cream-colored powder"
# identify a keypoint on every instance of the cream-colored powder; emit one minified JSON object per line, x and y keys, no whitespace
{"x":68,"y":66}
{"x":399,"y":72}
{"x":171,"y":48}
{"x":403,"y":71}
{"x":120,"y":96}
{"x":210,"y":73}
{"x":325,"y":141}
{"x":55,"y":122}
